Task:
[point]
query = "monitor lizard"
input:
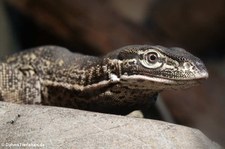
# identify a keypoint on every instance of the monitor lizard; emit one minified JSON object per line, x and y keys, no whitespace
{"x":126,"y":79}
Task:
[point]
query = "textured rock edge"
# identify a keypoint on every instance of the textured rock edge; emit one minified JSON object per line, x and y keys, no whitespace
{"x":55,"y":127}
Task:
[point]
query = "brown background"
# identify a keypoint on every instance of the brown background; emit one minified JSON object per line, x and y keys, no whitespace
{"x":97,"y":27}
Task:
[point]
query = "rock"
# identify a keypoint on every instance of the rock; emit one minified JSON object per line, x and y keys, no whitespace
{"x":55,"y":127}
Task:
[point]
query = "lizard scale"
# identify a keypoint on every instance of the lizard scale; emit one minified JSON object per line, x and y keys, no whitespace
{"x":126,"y":79}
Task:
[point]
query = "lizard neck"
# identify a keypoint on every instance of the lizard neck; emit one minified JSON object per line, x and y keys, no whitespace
{"x":101,"y":72}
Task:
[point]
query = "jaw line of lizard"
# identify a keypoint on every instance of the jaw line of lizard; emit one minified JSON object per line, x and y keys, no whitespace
{"x":115,"y":79}
{"x":161,"y":80}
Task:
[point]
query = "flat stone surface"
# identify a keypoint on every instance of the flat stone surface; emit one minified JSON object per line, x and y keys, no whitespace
{"x":63,"y":128}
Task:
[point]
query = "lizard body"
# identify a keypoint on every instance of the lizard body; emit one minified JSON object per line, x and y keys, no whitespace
{"x":126,"y":79}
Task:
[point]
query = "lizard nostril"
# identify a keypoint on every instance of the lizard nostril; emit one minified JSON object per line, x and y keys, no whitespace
{"x":186,"y":65}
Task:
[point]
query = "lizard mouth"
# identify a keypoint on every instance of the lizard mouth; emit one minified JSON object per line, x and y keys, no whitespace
{"x":163,"y":83}
{"x":163,"y":80}
{"x":197,"y":78}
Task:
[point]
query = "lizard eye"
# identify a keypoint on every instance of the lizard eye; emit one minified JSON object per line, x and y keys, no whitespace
{"x":151,"y":60}
{"x":152,"y":57}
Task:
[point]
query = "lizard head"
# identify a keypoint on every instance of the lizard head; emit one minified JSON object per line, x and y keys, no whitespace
{"x":160,"y":66}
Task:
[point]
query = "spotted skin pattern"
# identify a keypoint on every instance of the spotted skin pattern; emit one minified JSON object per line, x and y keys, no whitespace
{"x":126,"y":79}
